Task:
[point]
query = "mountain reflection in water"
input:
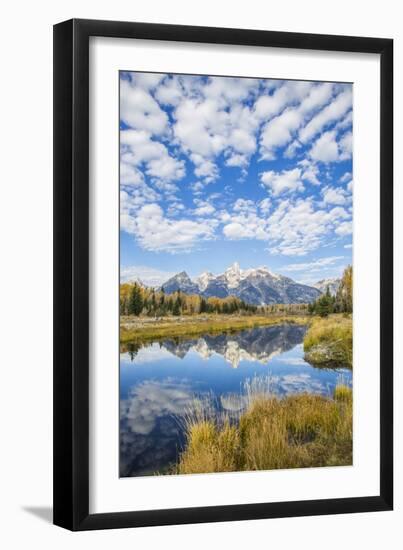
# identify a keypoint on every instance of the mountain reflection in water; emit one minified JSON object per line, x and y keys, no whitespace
{"x":258,"y":344}
{"x":159,"y":381}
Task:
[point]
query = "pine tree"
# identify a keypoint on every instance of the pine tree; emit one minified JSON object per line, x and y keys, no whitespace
{"x":135,"y":301}
{"x":177,"y":307}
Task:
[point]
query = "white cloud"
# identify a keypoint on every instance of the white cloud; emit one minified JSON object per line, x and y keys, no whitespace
{"x":345,"y":228}
{"x":175,"y":208}
{"x":348,"y":246}
{"x":280,"y":130}
{"x":139,"y":110}
{"x":314,"y":265}
{"x":213,"y":124}
{"x":156,"y":232}
{"x":295,"y":228}
{"x":345,"y":122}
{"x":170,"y":92}
{"x":346,"y":146}
{"x":238,"y":231}
{"x":334,"y":195}
{"x":265,"y":205}
{"x":237,"y":160}
{"x":147,"y":81}
{"x":332,"y":112}
{"x":244,"y":205}
{"x":268,"y":106}
{"x":204,"y":208}
{"x":292,"y":229}
{"x":130,"y":175}
{"x":245,"y":224}
{"x":138,"y":149}
{"x":310,"y":171}
{"x":147,"y":275}
{"x":325,"y":149}
{"x":281,"y":182}
{"x":346,"y":177}
{"x":204,"y":168}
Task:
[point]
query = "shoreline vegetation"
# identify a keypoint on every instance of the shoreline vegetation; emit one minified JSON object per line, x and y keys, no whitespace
{"x":133,"y":329}
{"x":296,"y":431}
{"x":329,"y":341}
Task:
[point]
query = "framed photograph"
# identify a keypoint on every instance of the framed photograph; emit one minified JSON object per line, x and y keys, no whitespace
{"x":223,"y":322}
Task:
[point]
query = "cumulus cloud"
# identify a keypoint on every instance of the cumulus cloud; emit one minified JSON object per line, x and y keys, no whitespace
{"x":296,"y":228}
{"x":280,"y":130}
{"x":138,"y":109}
{"x":334,"y":195}
{"x":345,"y":228}
{"x":156,"y":232}
{"x":281,"y":182}
{"x":139,"y":149}
{"x":325,"y":148}
{"x":265,"y":205}
{"x":310,"y":171}
{"x":204,"y":208}
{"x":290,"y":228}
{"x":331,"y":113}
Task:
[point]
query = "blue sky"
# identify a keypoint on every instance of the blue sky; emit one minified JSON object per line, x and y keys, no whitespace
{"x":215,"y":170}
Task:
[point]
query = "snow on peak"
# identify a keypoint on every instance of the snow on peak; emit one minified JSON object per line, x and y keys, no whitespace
{"x":203,"y":280}
{"x":233,"y":275}
{"x":262,"y":270}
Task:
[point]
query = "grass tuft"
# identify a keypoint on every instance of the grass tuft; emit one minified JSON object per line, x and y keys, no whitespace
{"x":297,"y":431}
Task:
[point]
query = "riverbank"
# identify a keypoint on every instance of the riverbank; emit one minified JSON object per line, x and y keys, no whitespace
{"x":329,"y":341}
{"x":298,"y":431}
{"x":138,"y":328}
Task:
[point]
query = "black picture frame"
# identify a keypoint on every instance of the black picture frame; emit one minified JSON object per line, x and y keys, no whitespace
{"x":71,"y":274}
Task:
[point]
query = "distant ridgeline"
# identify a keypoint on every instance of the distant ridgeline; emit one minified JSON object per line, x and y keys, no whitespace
{"x":234,"y":291}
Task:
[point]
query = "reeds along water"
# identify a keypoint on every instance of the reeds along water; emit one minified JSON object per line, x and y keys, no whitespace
{"x":262,"y":431}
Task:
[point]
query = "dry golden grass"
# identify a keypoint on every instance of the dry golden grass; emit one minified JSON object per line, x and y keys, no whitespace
{"x":132,"y":329}
{"x":330,"y":340}
{"x":297,"y":431}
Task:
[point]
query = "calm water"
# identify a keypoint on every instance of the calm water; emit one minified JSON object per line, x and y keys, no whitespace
{"x":159,"y":381}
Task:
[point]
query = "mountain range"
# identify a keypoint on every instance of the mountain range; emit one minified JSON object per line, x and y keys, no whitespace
{"x":255,"y":286}
{"x":333,"y":285}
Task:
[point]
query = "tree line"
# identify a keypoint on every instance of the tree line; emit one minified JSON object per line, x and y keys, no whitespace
{"x":342,"y":302}
{"x":138,"y":300}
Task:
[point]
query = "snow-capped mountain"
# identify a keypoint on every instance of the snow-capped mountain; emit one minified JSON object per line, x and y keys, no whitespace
{"x":203,"y":280}
{"x":255,"y":286}
{"x":333,"y":285}
{"x":181,"y":282}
